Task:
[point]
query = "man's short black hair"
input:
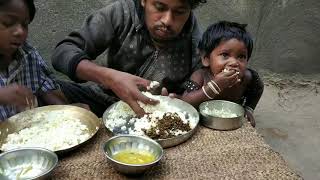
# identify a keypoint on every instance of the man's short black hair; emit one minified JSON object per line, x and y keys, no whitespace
{"x":29,"y":3}
{"x":195,"y":3}
{"x":223,"y":31}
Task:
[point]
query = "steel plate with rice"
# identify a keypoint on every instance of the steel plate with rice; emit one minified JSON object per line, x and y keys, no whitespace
{"x":59,"y":128}
{"x":170,"y":122}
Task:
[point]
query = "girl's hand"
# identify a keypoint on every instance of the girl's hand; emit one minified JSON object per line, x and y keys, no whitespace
{"x":226,"y":79}
{"x":250,"y":118}
{"x":17,"y":95}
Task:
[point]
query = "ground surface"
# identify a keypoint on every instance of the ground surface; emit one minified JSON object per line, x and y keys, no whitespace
{"x":288,"y":118}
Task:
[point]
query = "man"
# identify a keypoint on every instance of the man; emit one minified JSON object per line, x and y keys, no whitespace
{"x":148,"y":40}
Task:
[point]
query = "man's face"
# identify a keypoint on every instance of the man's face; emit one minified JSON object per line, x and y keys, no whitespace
{"x":165,"y":18}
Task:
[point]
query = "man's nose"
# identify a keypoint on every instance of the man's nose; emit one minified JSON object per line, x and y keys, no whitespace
{"x":167,"y":18}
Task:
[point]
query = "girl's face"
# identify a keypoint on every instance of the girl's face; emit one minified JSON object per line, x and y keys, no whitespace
{"x":231,"y":54}
{"x":14,"y":20}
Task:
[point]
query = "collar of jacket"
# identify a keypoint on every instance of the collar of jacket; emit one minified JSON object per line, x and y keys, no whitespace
{"x":139,"y":20}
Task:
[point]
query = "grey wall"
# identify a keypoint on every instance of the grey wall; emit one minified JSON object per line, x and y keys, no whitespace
{"x":286,"y":32}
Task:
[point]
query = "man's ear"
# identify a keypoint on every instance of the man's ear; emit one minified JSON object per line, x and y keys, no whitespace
{"x":143,"y":2}
{"x":205,"y":61}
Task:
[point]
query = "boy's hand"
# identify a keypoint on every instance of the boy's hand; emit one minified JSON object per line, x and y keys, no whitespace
{"x":16,"y":95}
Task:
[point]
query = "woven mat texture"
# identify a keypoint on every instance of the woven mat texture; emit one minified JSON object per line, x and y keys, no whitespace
{"x":209,"y":154}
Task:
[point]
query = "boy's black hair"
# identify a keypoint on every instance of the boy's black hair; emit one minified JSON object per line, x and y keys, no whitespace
{"x":29,"y":3}
{"x":223,"y":31}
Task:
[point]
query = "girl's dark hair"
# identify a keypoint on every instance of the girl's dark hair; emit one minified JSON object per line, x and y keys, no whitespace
{"x":195,"y":3}
{"x":29,"y":3}
{"x":223,"y":31}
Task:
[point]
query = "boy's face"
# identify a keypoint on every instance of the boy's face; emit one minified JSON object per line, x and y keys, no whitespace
{"x":14,"y":20}
{"x":165,"y":19}
{"x":230,"y":55}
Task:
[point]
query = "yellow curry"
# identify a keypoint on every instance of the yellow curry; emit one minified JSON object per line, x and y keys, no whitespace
{"x":133,"y":156}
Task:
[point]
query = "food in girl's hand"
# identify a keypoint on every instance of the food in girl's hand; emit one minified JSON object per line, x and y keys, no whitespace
{"x":228,"y":70}
{"x":225,"y":70}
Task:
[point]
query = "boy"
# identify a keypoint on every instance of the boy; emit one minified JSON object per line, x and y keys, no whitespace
{"x":24,"y":76}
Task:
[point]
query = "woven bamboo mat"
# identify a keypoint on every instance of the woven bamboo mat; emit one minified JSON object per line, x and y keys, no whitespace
{"x":209,"y":154}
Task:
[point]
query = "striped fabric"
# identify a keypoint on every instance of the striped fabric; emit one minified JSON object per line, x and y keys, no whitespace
{"x":28,"y":69}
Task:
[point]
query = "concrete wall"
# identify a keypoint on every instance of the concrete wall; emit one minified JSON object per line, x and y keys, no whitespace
{"x":286,"y":32}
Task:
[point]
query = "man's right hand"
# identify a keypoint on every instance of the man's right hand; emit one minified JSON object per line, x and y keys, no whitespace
{"x":16,"y":95}
{"x":126,"y":87}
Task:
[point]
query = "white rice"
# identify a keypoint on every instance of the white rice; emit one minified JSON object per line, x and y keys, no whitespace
{"x":49,"y":131}
{"x":223,"y":113}
{"x":118,"y":115}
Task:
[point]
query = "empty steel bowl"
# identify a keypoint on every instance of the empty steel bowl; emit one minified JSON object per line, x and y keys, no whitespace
{"x":221,"y":114}
{"x":27,"y":163}
{"x":120,"y":143}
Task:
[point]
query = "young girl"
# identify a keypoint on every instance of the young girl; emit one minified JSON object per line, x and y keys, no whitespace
{"x":24,"y":75}
{"x":225,"y":49}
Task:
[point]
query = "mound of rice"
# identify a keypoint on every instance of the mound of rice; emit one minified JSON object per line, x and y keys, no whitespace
{"x":123,"y":117}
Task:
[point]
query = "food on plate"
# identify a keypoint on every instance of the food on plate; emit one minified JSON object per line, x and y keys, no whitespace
{"x":53,"y":131}
{"x":170,"y":125}
{"x":161,"y":121}
{"x":153,"y":85}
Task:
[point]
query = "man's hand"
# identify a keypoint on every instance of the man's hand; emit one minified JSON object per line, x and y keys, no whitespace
{"x":126,"y":87}
{"x":17,"y":95}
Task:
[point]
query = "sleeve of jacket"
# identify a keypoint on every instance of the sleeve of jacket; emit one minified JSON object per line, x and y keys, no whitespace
{"x":196,"y":36}
{"x":94,"y":37}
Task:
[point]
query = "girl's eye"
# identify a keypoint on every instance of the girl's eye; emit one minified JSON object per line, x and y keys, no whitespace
{"x":225,"y":55}
{"x":242,"y":57}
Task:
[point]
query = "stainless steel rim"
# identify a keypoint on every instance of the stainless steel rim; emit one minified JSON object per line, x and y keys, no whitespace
{"x":136,"y":136}
{"x":38,"y":149}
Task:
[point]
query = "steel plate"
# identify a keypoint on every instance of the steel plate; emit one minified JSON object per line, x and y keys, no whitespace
{"x":165,"y":143}
{"x":29,"y":119}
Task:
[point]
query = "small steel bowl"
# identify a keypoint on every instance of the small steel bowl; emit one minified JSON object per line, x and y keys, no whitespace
{"x":27,"y":163}
{"x":230,"y":119}
{"x":120,"y":143}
